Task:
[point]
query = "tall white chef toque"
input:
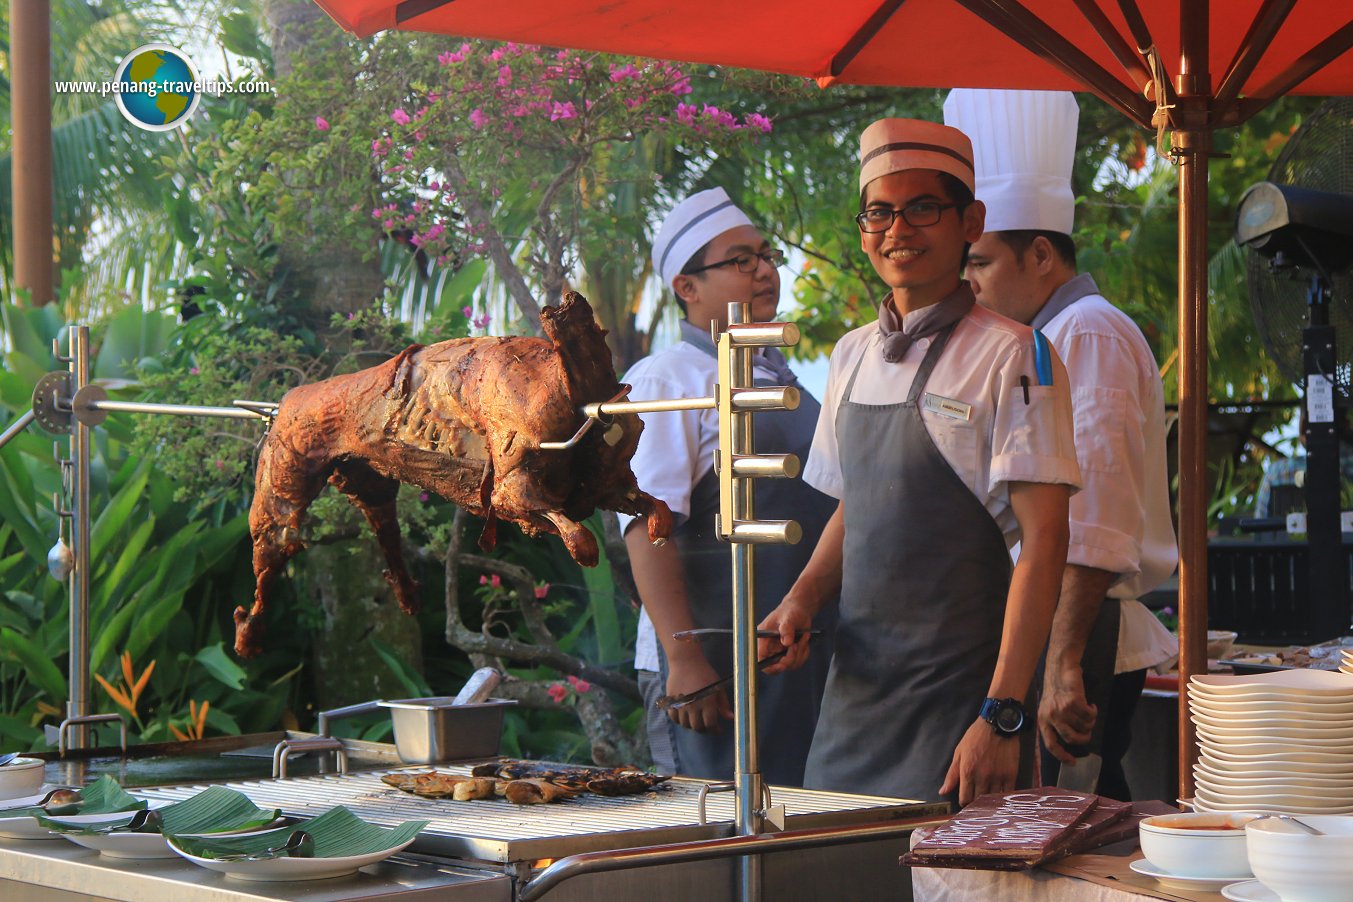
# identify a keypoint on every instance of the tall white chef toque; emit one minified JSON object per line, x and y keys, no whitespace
{"x":695,"y":222}
{"x":1024,"y":144}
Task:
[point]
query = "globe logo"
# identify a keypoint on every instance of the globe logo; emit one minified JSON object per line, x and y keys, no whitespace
{"x":156,"y":87}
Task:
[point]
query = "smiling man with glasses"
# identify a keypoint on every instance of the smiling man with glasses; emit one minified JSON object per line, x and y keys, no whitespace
{"x":708,"y":253}
{"x":945,"y":436}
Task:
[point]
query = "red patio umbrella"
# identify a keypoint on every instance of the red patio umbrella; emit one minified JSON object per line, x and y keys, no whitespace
{"x":1180,"y":64}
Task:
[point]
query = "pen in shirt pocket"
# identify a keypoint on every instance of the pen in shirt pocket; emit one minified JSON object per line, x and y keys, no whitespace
{"x":1024,"y":384}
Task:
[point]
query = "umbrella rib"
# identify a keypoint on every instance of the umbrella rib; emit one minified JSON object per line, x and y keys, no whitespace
{"x":1118,"y":46}
{"x":871,"y":27}
{"x":410,"y":9}
{"x":1304,"y":67}
{"x":1034,"y":34}
{"x":1250,"y":51}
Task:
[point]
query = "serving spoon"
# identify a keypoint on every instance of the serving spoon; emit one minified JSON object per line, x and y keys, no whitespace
{"x":1302,"y":824}
{"x":7,"y":757}
{"x":298,"y":845}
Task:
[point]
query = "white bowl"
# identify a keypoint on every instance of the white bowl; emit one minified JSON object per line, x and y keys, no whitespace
{"x":1219,"y":643}
{"x":21,"y":777}
{"x":1300,"y":867}
{"x":1196,"y":845}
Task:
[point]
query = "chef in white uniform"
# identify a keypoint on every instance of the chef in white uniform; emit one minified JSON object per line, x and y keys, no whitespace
{"x":1122,"y":541}
{"x":709,"y":254}
{"x":946,"y":436}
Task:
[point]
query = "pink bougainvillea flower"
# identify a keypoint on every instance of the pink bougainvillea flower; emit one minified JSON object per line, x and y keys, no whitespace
{"x":495,"y":581}
{"x":423,"y":497}
{"x":685,"y":113}
{"x":468,"y":311}
{"x":579,"y":686}
{"x":504,"y":76}
{"x":194,"y":371}
{"x":542,"y":589}
{"x":400,"y":116}
{"x":563,"y":110}
{"x":758,"y":122}
{"x":483,"y":580}
{"x":477,"y":118}
{"x":321,"y":123}
{"x":557,"y":692}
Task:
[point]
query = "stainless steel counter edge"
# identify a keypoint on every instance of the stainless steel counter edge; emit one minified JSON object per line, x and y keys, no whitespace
{"x":41,"y":865}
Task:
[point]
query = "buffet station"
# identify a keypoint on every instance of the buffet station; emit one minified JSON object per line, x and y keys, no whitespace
{"x":537,"y":431}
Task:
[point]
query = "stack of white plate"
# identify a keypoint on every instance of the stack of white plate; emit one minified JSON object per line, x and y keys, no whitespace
{"x":1277,"y":742}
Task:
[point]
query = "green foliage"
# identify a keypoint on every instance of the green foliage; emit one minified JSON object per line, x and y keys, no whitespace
{"x":156,"y":567}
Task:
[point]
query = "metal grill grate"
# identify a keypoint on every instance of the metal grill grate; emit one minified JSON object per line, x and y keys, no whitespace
{"x":498,"y":831}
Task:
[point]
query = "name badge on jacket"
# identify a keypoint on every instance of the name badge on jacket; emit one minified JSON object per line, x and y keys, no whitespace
{"x":946,"y":407}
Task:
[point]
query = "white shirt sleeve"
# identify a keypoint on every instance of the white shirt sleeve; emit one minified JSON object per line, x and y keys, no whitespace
{"x":823,"y":469}
{"x":1108,"y":517}
{"x":1032,"y":435}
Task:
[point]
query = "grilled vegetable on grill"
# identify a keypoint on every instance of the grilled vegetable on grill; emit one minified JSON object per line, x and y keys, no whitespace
{"x":464,"y":419}
{"x":474,"y":788}
{"x":534,"y":792}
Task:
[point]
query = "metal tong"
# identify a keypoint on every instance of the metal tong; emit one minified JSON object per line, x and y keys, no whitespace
{"x":692,"y":635}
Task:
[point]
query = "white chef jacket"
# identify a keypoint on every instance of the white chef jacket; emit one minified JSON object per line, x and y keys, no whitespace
{"x":1003,"y":440}
{"x":676,"y":449}
{"x":1120,"y":520}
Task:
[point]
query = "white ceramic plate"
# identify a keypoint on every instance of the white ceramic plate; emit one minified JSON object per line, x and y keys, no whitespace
{"x":1274,"y":724}
{"x":1283,"y":783}
{"x":1252,"y":752}
{"x":1176,"y":881}
{"x":1249,"y":891}
{"x":29,"y":828}
{"x":1323,"y":683}
{"x":124,"y":845}
{"x":1273,"y":803}
{"x":279,"y":869}
{"x":1274,"y":777}
{"x":1274,"y":711}
{"x":131,"y":845}
{"x":1321,"y":740}
{"x":1248,"y":768}
{"x":1241,"y":701}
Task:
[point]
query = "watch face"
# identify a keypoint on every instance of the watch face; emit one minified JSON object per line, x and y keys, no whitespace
{"x":1009,"y":718}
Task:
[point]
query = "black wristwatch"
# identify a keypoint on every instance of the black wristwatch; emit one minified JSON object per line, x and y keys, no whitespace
{"x":1006,"y":715}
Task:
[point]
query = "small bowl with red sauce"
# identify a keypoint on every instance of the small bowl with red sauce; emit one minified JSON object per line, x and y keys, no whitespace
{"x":1197,"y":844}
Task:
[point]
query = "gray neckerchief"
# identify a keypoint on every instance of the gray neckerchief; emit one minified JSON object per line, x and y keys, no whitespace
{"x":770,"y":358}
{"x":899,"y":332}
{"x":1070,"y":291}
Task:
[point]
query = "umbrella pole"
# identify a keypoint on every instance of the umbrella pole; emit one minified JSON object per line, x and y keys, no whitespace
{"x":1192,"y":143}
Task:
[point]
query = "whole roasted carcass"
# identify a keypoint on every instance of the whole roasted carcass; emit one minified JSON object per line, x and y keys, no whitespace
{"x":465,"y":419}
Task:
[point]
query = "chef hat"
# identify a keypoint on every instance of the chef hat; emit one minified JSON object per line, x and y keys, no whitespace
{"x":892,"y":145}
{"x":1025,"y":143}
{"x":695,"y":222}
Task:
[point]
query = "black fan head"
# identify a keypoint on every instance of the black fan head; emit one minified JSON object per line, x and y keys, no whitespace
{"x":1319,"y":156}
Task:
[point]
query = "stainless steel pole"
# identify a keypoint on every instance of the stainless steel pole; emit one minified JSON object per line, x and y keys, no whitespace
{"x":78,"y":690}
{"x":18,"y":426}
{"x":747,"y":779}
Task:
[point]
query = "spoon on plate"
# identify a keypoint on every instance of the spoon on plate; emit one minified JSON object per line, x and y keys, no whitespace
{"x":298,"y":845}
{"x":1302,"y":824}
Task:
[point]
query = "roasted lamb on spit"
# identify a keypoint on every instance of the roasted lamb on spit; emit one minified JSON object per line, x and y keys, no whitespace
{"x":462,"y":418}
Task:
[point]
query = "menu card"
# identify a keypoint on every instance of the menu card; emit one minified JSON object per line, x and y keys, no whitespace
{"x":1022,"y":829}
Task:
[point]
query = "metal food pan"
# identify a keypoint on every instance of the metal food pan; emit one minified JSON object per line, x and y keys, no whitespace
{"x":429,"y":730}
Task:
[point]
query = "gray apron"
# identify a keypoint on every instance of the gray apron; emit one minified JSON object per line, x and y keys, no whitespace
{"x":787,"y":703}
{"x":925,"y":577}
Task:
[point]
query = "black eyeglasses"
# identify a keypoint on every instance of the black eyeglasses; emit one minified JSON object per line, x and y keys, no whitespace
{"x":918,"y":216}
{"x":746,"y":263}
